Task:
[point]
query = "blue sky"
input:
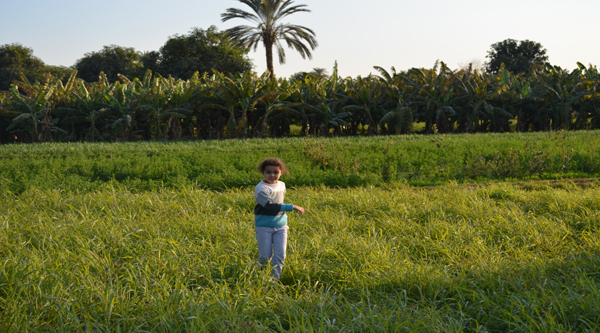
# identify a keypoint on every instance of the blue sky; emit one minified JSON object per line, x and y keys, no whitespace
{"x":358,"y":34}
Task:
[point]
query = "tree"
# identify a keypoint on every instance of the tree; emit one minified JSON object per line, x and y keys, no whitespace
{"x":269,"y":30}
{"x":112,"y":60}
{"x":17,"y":60}
{"x":58,"y":72}
{"x":316,"y":72}
{"x":199,"y":51}
{"x":517,"y":56}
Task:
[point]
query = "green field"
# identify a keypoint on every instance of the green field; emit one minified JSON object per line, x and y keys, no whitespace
{"x":158,"y":237}
{"x":334,"y":162}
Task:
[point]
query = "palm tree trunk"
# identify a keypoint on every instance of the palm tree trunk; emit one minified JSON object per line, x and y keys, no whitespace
{"x":269,"y":50}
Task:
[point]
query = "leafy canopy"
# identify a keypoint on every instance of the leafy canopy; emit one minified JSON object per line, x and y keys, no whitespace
{"x":268,"y":30}
{"x":17,"y":60}
{"x":199,"y":51}
{"x":112,"y":60}
{"x":517,"y":56}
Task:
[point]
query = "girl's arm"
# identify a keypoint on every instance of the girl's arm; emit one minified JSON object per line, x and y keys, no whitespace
{"x":300,"y":209}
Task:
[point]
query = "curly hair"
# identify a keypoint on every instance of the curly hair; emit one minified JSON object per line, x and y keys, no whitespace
{"x":275,"y":162}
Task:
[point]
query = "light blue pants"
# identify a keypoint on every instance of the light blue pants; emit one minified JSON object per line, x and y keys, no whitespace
{"x":272,"y":243}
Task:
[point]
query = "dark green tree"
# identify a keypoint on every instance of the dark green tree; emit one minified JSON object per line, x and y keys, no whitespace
{"x":199,"y":51}
{"x":151,"y":61}
{"x":268,"y":29}
{"x":517,"y":56}
{"x":16,"y":59}
{"x":317,"y":72}
{"x":112,"y":60}
{"x":59,"y":72}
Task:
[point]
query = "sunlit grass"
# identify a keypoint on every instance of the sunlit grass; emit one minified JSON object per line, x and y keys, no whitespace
{"x":336,"y":162}
{"x":490,"y":259}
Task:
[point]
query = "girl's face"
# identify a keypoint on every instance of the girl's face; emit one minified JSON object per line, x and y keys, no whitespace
{"x":271,"y":174}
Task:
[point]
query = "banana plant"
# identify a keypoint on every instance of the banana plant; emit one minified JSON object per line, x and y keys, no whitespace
{"x":399,"y":116}
{"x":479,"y":95}
{"x":122,"y":104}
{"x":238,"y":95}
{"x":330,"y":114}
{"x":31,"y":111}
{"x":560,"y":90}
{"x":165,"y":100}
{"x":364,"y":98}
{"x":279,"y":91}
{"x":85,"y":107}
{"x":589,"y":106}
{"x":399,"y":119}
{"x":217,"y":98}
{"x":435,"y":99}
{"x":309,"y":93}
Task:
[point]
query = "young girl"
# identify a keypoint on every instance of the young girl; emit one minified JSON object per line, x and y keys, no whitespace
{"x":270,"y":219}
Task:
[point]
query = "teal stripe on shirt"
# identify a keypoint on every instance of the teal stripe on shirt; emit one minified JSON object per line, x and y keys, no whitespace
{"x":271,"y":221}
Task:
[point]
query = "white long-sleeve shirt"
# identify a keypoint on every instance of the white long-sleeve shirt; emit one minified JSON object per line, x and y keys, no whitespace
{"x":270,"y":209}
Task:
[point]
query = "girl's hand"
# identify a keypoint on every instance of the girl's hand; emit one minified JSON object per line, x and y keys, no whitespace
{"x":300,"y":209}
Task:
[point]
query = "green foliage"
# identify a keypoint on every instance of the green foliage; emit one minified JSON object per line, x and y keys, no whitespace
{"x":58,"y":72}
{"x":216,"y":106}
{"x":269,"y":31}
{"x":316,"y":72}
{"x":489,"y":259}
{"x":200,"y":51}
{"x":17,"y":60}
{"x":111,"y":60}
{"x":341,"y":162}
{"x":32,"y":112}
{"x":517,"y":56}
{"x":238,"y":96}
{"x":85,"y":106}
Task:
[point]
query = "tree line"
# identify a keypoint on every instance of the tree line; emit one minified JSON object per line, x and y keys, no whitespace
{"x":245,"y":105}
{"x":181,"y":55}
{"x":173,"y":96}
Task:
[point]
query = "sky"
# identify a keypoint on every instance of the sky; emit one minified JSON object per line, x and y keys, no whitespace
{"x":356,"y":34}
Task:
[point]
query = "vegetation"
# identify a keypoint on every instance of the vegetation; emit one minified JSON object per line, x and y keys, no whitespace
{"x":158,"y":236}
{"x":334,"y":162}
{"x":269,"y":30}
{"x":113,"y":61}
{"x":488,"y":259}
{"x":181,"y":56}
{"x":17,"y":60}
{"x":516,"y":56}
{"x":199,"y":51}
{"x":438,"y":100}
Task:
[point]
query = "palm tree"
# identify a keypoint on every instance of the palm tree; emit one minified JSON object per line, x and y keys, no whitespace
{"x":269,"y":30}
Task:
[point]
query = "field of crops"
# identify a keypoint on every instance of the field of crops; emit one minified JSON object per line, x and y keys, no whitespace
{"x":337,"y":162}
{"x":159,"y":237}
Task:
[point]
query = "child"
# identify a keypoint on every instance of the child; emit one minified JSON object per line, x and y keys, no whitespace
{"x":270,"y":219}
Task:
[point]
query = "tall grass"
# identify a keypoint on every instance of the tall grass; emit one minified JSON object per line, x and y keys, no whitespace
{"x":495,"y":258}
{"x":342,"y":162}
